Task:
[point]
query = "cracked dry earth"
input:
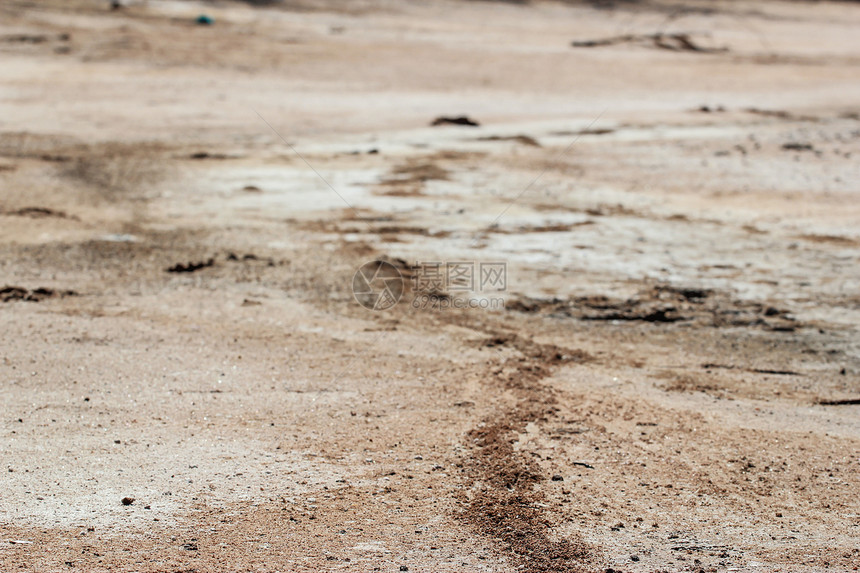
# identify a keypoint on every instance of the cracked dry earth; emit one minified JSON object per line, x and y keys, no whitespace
{"x":672,"y":384}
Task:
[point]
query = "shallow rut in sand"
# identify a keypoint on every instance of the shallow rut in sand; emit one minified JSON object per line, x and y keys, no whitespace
{"x":502,"y":502}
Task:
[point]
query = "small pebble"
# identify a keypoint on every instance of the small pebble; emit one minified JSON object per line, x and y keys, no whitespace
{"x":557,"y":478}
{"x":127,"y":500}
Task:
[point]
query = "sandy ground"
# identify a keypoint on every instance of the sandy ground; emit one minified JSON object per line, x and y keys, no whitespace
{"x":671,"y":381}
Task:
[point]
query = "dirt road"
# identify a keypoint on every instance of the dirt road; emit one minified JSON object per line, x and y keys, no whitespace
{"x":626,"y":336}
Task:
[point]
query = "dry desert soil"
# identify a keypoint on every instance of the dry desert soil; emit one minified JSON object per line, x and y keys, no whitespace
{"x":627,"y":334}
